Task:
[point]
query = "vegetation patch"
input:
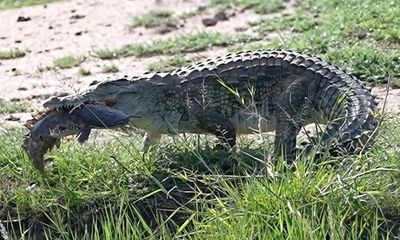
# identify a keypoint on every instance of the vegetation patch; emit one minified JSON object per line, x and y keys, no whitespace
{"x":109,"y":68}
{"x":185,"y":188}
{"x":84,"y":72}
{"x":12,"y":53}
{"x":259,"y":6}
{"x":68,"y":62}
{"x":347,"y":34}
{"x":13,"y":106}
{"x":155,"y":19}
{"x":180,"y":44}
{"x":169,"y":64}
{"x":105,"y":54}
{"x":7,"y":4}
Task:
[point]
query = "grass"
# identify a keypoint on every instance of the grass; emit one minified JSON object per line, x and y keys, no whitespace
{"x":180,"y":44}
{"x":109,"y":190}
{"x":68,"y":62}
{"x":12,"y":106}
{"x":259,"y":6}
{"x":169,"y":64}
{"x":109,"y":68}
{"x":7,"y":4}
{"x":105,"y":54}
{"x":347,"y":34}
{"x":154,"y":19}
{"x":84,"y":72}
{"x":12,"y":53}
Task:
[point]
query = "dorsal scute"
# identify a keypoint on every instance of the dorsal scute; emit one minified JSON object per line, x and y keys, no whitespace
{"x":236,"y":65}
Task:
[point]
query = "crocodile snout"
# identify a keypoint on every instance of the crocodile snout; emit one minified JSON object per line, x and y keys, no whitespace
{"x":56,"y":103}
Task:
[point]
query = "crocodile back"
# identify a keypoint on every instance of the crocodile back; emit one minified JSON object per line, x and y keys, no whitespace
{"x":340,"y":100}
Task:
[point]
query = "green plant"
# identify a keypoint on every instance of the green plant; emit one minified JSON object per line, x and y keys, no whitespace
{"x":13,"y":106}
{"x":168,"y":64}
{"x":109,"y":68}
{"x":154,"y":19}
{"x":84,"y":72}
{"x":12,"y":53}
{"x":68,"y":62}
{"x":7,"y":4}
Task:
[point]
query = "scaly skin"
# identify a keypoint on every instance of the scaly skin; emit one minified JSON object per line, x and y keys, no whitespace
{"x":239,"y":94}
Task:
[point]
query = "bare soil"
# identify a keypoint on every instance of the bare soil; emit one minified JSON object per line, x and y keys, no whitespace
{"x":79,"y":27}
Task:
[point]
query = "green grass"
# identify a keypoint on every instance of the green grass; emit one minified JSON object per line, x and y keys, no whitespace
{"x":105,"y":54}
{"x":109,"y":68}
{"x":179,"y":44}
{"x":109,"y":189}
{"x":259,"y":6}
{"x":68,"y":62}
{"x":169,"y":64}
{"x":12,"y":107}
{"x":350,"y":35}
{"x":7,"y":4}
{"x":12,"y":53}
{"x":84,"y":72}
{"x":154,"y":19}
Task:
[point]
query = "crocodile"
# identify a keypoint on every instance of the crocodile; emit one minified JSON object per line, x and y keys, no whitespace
{"x":242,"y":93}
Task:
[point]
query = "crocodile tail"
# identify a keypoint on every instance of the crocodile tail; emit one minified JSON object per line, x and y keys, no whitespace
{"x":347,"y":107}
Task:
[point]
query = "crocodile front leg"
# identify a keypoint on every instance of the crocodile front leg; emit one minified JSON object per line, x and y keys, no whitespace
{"x":293,"y":109}
{"x":217,"y":124}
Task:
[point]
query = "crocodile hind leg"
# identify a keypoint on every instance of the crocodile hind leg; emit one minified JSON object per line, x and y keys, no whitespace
{"x":293,"y":109}
{"x":217,"y":124}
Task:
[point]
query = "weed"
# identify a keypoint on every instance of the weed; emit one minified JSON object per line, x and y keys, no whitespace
{"x":154,"y":19}
{"x":12,"y":53}
{"x":109,"y":68}
{"x":179,"y":44}
{"x":7,"y":4}
{"x":168,"y":64}
{"x":84,"y":72}
{"x":40,"y":68}
{"x":13,"y":106}
{"x":259,"y":6}
{"x":105,"y":54}
{"x":68,"y":62}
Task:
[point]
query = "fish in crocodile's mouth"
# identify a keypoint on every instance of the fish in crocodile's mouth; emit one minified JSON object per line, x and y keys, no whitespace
{"x":48,"y":128}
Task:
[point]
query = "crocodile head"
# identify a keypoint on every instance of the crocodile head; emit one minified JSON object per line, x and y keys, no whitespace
{"x":136,"y":99}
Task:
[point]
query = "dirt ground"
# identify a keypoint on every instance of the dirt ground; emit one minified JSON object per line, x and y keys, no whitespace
{"x":79,"y":27}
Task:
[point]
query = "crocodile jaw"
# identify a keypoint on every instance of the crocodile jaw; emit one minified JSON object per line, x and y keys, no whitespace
{"x":57,"y":103}
{"x":73,"y":101}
